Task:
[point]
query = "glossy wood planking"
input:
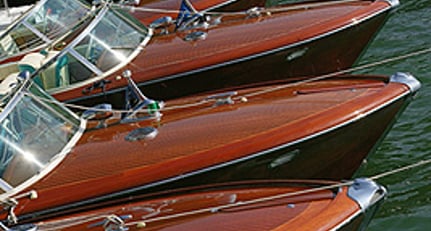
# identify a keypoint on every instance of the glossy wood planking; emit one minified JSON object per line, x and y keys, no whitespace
{"x":170,"y":67}
{"x":325,"y":131}
{"x":286,"y":213}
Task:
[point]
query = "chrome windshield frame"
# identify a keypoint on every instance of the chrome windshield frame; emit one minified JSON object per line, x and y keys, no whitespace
{"x":56,"y":159}
{"x":99,"y":73}
{"x":36,"y":32}
{"x":23,"y":20}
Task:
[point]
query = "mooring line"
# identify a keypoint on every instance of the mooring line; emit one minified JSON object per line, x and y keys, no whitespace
{"x":142,"y":223}
{"x":245,"y":12}
{"x":346,"y":71}
{"x":279,"y":196}
{"x":400,"y":169}
{"x":280,"y":87}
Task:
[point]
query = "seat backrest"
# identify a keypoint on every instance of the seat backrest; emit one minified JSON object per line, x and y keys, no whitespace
{"x":57,"y":74}
{"x":31,"y":62}
{"x":62,"y":72}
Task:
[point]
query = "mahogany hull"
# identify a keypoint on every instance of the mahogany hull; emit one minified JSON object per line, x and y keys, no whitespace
{"x":323,"y":55}
{"x":170,"y":67}
{"x":333,"y":155}
{"x":322,"y":129}
{"x":280,"y":205}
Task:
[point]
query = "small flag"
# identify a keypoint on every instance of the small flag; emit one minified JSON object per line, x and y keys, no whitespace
{"x":187,"y":12}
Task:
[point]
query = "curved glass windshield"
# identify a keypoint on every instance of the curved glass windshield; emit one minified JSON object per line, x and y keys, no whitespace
{"x":31,"y":134}
{"x":110,"y":42}
{"x":46,"y":22}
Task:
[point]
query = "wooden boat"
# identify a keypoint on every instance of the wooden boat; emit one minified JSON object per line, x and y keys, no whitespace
{"x":278,"y":205}
{"x":226,"y":50}
{"x":321,"y":129}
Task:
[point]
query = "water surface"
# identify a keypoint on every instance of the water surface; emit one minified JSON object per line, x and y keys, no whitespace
{"x":408,"y":206}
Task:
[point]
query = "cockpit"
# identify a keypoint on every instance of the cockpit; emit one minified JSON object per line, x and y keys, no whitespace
{"x":110,"y":40}
{"x":106,"y":39}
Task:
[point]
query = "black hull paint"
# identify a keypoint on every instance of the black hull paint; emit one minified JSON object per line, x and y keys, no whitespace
{"x":325,"y":55}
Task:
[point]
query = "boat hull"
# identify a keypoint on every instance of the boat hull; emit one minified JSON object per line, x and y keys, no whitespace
{"x":280,"y":205}
{"x":318,"y":56}
{"x":171,"y":68}
{"x":317,"y":130}
{"x":334,"y":154}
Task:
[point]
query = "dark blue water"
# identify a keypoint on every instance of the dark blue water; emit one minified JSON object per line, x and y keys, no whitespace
{"x":408,"y":206}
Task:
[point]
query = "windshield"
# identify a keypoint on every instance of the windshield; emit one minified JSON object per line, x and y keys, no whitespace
{"x":32,"y":132}
{"x":109,"y":42}
{"x":47,"y":21}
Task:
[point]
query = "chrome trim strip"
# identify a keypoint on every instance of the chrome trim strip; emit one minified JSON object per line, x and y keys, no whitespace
{"x":5,"y":186}
{"x":219,"y":5}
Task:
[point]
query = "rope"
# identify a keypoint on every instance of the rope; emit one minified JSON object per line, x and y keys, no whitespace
{"x":264,"y":10}
{"x":333,"y":186}
{"x":83,"y":108}
{"x":280,"y":196}
{"x":80,"y":220}
{"x":291,"y":194}
{"x":401,"y":169}
{"x":284,"y":195}
{"x":69,"y":222}
{"x":349,"y":70}
{"x":242,"y":203}
{"x":280,"y":87}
